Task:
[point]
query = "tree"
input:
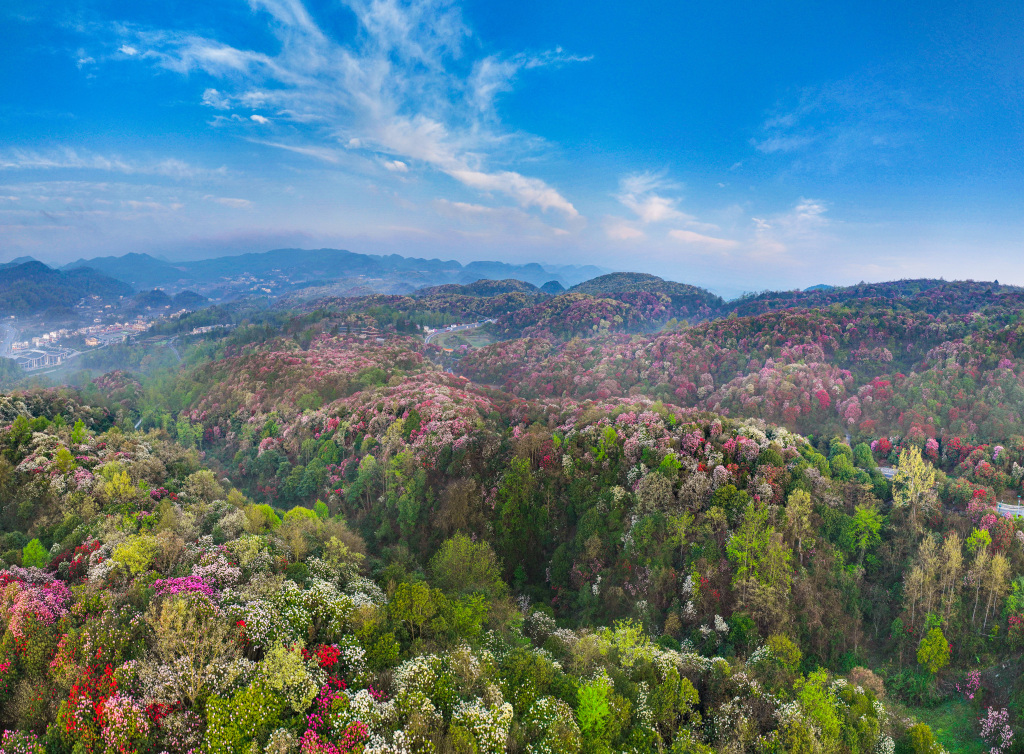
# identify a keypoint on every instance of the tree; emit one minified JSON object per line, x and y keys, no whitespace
{"x":770,"y":599}
{"x":414,"y":605}
{"x":867,"y":523}
{"x":996,"y":584}
{"x":921,"y":740}
{"x":678,"y":526}
{"x":191,"y":637}
{"x":913,"y":487}
{"x":798,"y":520}
{"x":462,"y":566}
{"x":933,"y":651}
{"x":816,"y":702}
{"x":951,"y":565}
{"x":747,"y":547}
{"x":593,"y":708}
{"x":34,"y":554}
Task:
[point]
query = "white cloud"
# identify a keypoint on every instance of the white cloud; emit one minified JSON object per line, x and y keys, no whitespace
{"x":639,"y":193}
{"x":71,"y":159}
{"x":828,"y":127}
{"x":399,"y":92}
{"x":151,"y":205}
{"x":699,"y":239}
{"x":396,"y":166}
{"x":620,"y":230}
{"x":259,"y":119}
{"x":227,"y":201}
{"x":319,"y":153}
{"x":128,"y":50}
{"x":213,"y":98}
{"x":781,"y":143}
{"x":805,"y":225}
{"x":529,"y":192}
{"x":496,"y":224}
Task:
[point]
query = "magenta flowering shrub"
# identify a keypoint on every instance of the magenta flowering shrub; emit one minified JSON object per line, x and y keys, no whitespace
{"x":21,"y":600}
{"x":184,"y":585}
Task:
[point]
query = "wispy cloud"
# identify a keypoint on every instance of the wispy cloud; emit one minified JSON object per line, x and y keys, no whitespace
{"x":71,"y":159}
{"x":227,"y":201}
{"x":618,"y":229}
{"x":643,"y":194}
{"x":400,"y":92}
{"x":835,"y":125}
{"x":805,"y":225}
{"x":699,"y":239}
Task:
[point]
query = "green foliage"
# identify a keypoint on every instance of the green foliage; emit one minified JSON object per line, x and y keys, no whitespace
{"x":920,"y":740}
{"x":248,"y":717}
{"x":816,"y":703}
{"x":34,"y":554}
{"x":135,"y":554}
{"x":784,"y":652}
{"x":593,"y":708}
{"x":462,"y":566}
{"x":933,"y":652}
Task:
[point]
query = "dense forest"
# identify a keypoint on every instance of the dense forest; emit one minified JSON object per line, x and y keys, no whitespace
{"x":641,"y":520}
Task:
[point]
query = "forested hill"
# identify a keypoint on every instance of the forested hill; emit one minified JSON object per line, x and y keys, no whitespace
{"x":925,"y":295}
{"x":773,"y":533}
{"x":32,"y":286}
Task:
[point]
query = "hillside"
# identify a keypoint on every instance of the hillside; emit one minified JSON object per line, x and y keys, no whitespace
{"x":33,"y":287}
{"x":697,"y":532}
{"x":923,"y":295}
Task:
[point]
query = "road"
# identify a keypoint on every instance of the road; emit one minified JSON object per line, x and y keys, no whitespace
{"x":456,"y":328}
{"x":1011,"y":510}
{"x":9,"y":334}
{"x":170,"y":344}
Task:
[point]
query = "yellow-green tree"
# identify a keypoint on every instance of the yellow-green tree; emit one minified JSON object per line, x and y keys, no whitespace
{"x":933,"y":651}
{"x":913,"y":487}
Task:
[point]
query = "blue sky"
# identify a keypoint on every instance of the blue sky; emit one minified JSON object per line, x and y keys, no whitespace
{"x":735,"y":145}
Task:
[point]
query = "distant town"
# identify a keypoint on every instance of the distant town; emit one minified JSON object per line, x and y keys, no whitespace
{"x":50,"y":349}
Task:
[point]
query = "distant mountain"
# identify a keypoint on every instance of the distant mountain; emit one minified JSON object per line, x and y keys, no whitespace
{"x":553,"y":287}
{"x":17,"y":261}
{"x":32,"y":287}
{"x":481,"y":288}
{"x":530,"y":273}
{"x":820,"y":287}
{"x":282,"y":271}
{"x":141,"y":271}
{"x":573,"y":274}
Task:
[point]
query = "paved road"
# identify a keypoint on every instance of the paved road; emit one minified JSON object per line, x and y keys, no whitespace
{"x":8,"y":334}
{"x":456,"y":328}
{"x":1011,"y":510}
{"x":170,"y":344}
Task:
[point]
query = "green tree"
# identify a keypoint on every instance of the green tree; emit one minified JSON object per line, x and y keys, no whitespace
{"x":463,"y":566}
{"x":747,"y":547}
{"x":921,"y":740}
{"x":867,"y":523}
{"x":78,"y":433}
{"x":414,"y":605}
{"x":933,"y":651}
{"x":816,"y":702}
{"x":34,"y":554}
{"x":798,"y":520}
{"x":593,"y":707}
